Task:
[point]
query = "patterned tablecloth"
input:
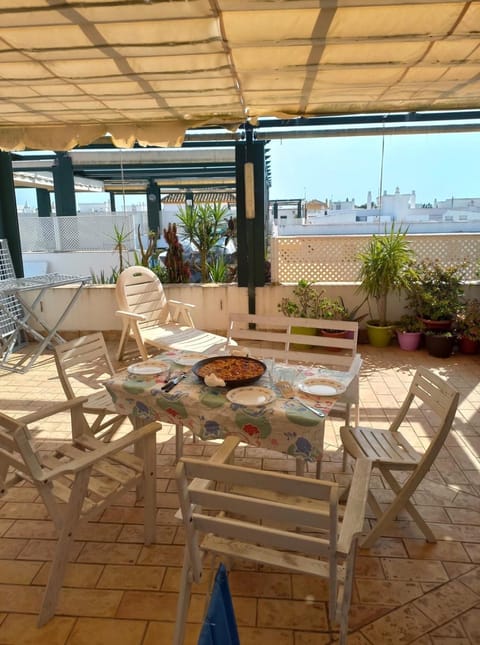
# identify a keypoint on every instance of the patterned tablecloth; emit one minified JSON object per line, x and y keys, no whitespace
{"x":283,"y":425}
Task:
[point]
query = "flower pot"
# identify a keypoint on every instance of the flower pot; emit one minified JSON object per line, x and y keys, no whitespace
{"x":468,"y":346}
{"x":379,"y":336}
{"x":332,"y":333}
{"x":409,"y":340}
{"x":437,"y":325}
{"x":439,"y":345}
{"x":306,"y":331}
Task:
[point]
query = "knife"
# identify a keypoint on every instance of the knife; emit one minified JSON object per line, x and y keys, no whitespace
{"x":174,"y":381}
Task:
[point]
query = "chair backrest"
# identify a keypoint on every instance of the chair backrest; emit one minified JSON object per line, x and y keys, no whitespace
{"x":441,"y":398}
{"x":82,"y":363}
{"x":139,"y":291}
{"x":281,"y":337}
{"x":286,"y":503}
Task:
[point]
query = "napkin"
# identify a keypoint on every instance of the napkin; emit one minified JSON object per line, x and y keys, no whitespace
{"x":212,"y":380}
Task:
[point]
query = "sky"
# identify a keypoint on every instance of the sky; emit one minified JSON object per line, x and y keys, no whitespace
{"x":436,"y":166}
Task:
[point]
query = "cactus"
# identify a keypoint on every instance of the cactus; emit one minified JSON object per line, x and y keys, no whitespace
{"x":178,"y":269}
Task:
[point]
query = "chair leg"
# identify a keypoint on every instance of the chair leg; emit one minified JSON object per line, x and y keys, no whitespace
{"x":346,"y":594}
{"x":123,"y":340}
{"x":179,"y":441}
{"x":299,"y":466}
{"x":60,"y":560}
{"x":183,"y":601}
{"x":149,"y":487}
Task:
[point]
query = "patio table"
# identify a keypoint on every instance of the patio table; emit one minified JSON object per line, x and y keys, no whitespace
{"x":283,"y":425}
{"x":19,"y":316}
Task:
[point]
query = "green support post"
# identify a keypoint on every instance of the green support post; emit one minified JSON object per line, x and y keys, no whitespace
{"x":64,"y":185}
{"x":251,"y":232}
{"x":9,"y":229}
{"x":153,"y":206}
{"x":44,"y":204}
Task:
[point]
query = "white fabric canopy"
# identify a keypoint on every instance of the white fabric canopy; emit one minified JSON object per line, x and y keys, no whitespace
{"x":147,"y":70}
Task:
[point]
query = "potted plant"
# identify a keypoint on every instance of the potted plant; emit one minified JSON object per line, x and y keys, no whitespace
{"x":409,"y":332}
{"x":386,"y":266}
{"x":439,"y":343}
{"x":468,"y":327}
{"x":435,"y":294}
{"x":305,"y":303}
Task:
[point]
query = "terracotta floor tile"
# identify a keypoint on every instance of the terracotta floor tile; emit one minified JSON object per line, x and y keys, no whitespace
{"x":100,"y":631}
{"x":415,"y":570}
{"x":20,"y":598}
{"x":399,"y":627}
{"x":109,"y":553}
{"x":447,"y":601}
{"x":391,"y":592}
{"x":17,"y":572}
{"x":150,"y":605}
{"x":471,"y":623}
{"x":268,"y":585}
{"x":291,"y":614}
{"x":451,"y":551}
{"x":21,"y":629}
{"x":76,"y":575}
{"x":131,"y":577}
{"x":98,"y":603}
{"x":259,"y":636}
{"x":162,"y":632}
{"x":135,"y":533}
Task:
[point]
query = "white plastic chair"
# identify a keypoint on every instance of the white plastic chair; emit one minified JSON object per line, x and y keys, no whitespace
{"x":151,"y":319}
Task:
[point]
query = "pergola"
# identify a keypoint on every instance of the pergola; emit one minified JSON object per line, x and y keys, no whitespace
{"x":144,"y":72}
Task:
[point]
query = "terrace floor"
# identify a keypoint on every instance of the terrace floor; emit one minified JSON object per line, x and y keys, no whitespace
{"x":118,"y":590}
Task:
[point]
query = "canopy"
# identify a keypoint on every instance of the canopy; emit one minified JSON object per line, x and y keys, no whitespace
{"x":147,"y":70}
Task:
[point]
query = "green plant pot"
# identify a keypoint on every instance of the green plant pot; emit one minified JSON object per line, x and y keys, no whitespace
{"x":306,"y":331}
{"x":379,"y":336}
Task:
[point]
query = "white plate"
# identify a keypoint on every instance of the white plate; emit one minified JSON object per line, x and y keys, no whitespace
{"x":319,"y":386}
{"x":187,"y":360}
{"x":251,"y":395}
{"x":148,"y":368}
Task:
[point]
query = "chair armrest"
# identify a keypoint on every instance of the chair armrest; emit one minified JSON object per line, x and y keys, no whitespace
{"x":179,"y":303}
{"x":130,"y":315}
{"x":51,"y":410}
{"x":181,"y":311}
{"x":354,"y":515}
{"x":356,"y":364}
{"x":102,"y":451}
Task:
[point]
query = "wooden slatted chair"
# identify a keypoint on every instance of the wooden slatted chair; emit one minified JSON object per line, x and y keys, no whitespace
{"x":82,"y":365}
{"x":390,"y":451}
{"x":270,"y":518}
{"x":153,"y":320}
{"x":276,"y":337}
{"x":78,"y":479}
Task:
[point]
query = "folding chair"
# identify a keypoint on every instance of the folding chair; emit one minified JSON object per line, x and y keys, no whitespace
{"x":389,"y":451}
{"x":151,"y":319}
{"x":270,"y":518}
{"x":82,"y":364}
{"x":78,"y":479}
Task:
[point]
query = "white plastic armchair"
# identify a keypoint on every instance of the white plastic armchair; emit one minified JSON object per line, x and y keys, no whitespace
{"x":151,"y":319}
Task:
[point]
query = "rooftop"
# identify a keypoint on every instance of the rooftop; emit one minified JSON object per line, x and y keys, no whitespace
{"x":116,"y":589}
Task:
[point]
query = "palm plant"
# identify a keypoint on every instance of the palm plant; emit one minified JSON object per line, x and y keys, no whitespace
{"x":202,"y":226}
{"x":387,"y":266}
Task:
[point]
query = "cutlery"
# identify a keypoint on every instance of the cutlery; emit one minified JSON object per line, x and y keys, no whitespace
{"x":173,"y":381}
{"x":289,"y":393}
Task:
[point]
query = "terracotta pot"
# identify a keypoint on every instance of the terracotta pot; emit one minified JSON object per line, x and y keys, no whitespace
{"x":437,"y":325}
{"x":334,"y":334}
{"x":409,"y":340}
{"x":468,"y":346}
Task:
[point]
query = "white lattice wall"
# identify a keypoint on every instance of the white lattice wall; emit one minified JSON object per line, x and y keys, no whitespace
{"x":79,"y":233}
{"x":333,"y":258}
